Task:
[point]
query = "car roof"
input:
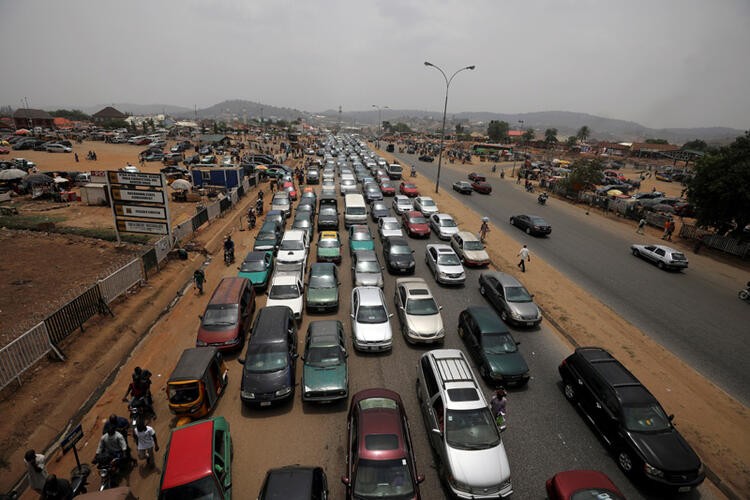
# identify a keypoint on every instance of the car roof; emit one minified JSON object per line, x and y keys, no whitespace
{"x":467,"y":236}
{"x":402,"y":197}
{"x":365,"y":255}
{"x":487,"y":319}
{"x":380,"y":429}
{"x":441,"y":248}
{"x":412,"y":285}
{"x":284,"y":279}
{"x":193,"y":363}
{"x":227,"y":291}
{"x":190,"y":454}
{"x":503,"y":278}
{"x":443,"y":216}
{"x":324,"y":332}
{"x":292,"y":481}
{"x":322,"y":268}
{"x":413,"y":213}
{"x":397,"y":241}
{"x":370,"y":295}
{"x":255,"y":256}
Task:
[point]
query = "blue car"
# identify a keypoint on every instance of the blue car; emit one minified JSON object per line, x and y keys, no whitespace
{"x":257,"y":267}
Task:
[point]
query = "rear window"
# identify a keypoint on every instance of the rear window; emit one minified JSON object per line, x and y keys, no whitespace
{"x":381,"y":442}
{"x":463,"y":394}
{"x":355,"y":210}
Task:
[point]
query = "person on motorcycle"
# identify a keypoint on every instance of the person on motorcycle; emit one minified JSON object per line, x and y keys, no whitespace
{"x":413,"y":171}
{"x":542,"y":199}
{"x":56,"y":488}
{"x":140,"y":390}
{"x":259,"y":205}
{"x":121,"y":425}
{"x":229,"y":248}
{"x":112,"y":448}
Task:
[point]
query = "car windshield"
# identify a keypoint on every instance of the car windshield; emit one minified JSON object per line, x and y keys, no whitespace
{"x":182,"y":394}
{"x":322,"y":357}
{"x":356,"y":211}
{"x":645,"y":418}
{"x":383,"y":479}
{"x":264,"y":358}
{"x":280,"y":201}
{"x":417,"y":220}
{"x":371,"y":314}
{"x":266,"y":236}
{"x":328,"y":211}
{"x":678,"y":256}
{"x":361,"y":236}
{"x":390,"y":226}
{"x":517,"y":294}
{"x":473,"y":245}
{"x":448,"y":223}
{"x":283,"y":292}
{"x":379,"y":207}
{"x":471,"y":429}
{"x":403,"y":203}
{"x":538,"y":221}
{"x":202,"y":489}
{"x":292,"y":245}
{"x":253,"y":266}
{"x":329,"y":243}
{"x":498,"y":343}
{"x":421,"y":307}
{"x":410,"y":186}
{"x":323,"y":281}
{"x":367,"y":266}
{"x":400,"y":250}
{"x":428,"y":203}
{"x":220,"y":315}
{"x":448,"y":259}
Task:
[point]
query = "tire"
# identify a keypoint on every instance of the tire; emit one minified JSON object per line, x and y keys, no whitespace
{"x":482,"y":290}
{"x":569,"y":391}
{"x":660,"y":265}
{"x":512,"y":221}
{"x":528,"y":230}
{"x":625,"y":462}
{"x":504,"y":316}
{"x":743,"y":294}
{"x":636,"y":253}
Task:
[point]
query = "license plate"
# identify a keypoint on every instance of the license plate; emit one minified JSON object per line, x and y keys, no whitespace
{"x":265,"y":403}
{"x":683,"y":489}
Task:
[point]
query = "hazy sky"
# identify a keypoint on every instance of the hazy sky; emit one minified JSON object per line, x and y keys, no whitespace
{"x":662,"y":63}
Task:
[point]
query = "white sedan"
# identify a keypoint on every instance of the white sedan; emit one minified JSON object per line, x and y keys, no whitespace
{"x":444,"y":225}
{"x":371,"y":326}
{"x":663,"y":256}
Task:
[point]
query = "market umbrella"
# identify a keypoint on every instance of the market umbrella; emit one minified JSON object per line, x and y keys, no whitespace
{"x":38,"y":179}
{"x":614,"y":192}
{"x":11,"y":174}
{"x":60,"y":180}
{"x":181,"y":185}
{"x":22,"y":131}
{"x":261,"y":167}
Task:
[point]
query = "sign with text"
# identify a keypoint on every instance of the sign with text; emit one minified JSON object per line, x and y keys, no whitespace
{"x":133,"y":226}
{"x":99,"y":176}
{"x":135,"y":178}
{"x":72,"y":438}
{"x":139,"y":195}
{"x":140,"y":211}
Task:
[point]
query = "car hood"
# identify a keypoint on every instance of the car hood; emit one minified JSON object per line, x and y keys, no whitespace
{"x":329,"y":252}
{"x":420,"y":228}
{"x":425,"y":325}
{"x":528,"y":310}
{"x":264,"y":244}
{"x":291,"y":255}
{"x":476,"y":255}
{"x":429,"y":210}
{"x":480,"y":468}
{"x":447,"y":230}
{"x":362,"y":245}
{"x":402,"y":260}
{"x":294,"y":304}
{"x":511,"y":363}
{"x":368,"y":279}
{"x":255,"y":277}
{"x":667,"y":450}
{"x":321,"y":294}
{"x":266,"y":382}
{"x":450,"y":269}
{"x":327,"y":218}
{"x":330,"y":378}
{"x":391,"y":232}
{"x":376,"y":332}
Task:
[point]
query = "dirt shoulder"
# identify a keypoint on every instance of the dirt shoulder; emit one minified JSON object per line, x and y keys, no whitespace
{"x":714,"y":423}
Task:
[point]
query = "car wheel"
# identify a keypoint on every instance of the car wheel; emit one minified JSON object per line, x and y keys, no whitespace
{"x":625,"y":461}
{"x":636,"y":253}
{"x":528,"y":230}
{"x":512,"y":221}
{"x":482,"y":291}
{"x":660,"y":265}
{"x":461,"y":331}
{"x":483,"y":372}
{"x":504,"y":316}
{"x":570,"y":392}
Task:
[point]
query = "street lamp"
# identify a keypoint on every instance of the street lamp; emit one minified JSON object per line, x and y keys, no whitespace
{"x":513,"y":173}
{"x":380,"y":123}
{"x":445,"y":110}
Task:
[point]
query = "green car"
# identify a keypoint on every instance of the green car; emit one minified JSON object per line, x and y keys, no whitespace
{"x":493,"y":347}
{"x":360,"y":238}
{"x":325,"y":377}
{"x":329,"y":247}
{"x":257,"y":267}
{"x":322,"y":292}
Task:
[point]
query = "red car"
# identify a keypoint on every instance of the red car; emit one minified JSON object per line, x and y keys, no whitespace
{"x":408,"y":189}
{"x":387,"y":189}
{"x":416,"y":225}
{"x":289,"y":188}
{"x":380,"y":460}
{"x":481,"y":187}
{"x":4,"y":151}
{"x":477,"y":177}
{"x":582,"y":484}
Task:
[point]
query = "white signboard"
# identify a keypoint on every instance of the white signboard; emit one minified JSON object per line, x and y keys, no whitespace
{"x":141,"y":211}
{"x":139,"y":195}
{"x":98,"y":176}
{"x":135,"y":178}
{"x":132,"y":226}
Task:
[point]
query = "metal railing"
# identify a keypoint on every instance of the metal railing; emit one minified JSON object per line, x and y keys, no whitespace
{"x":121,"y":280}
{"x":23,"y":353}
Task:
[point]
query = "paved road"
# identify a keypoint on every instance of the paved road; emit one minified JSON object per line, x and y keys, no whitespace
{"x":695,"y":314}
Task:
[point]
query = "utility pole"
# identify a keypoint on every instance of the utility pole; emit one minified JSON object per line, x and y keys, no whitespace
{"x":338,"y":127}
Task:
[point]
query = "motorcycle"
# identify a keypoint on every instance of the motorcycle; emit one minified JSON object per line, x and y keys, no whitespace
{"x":140,"y":410}
{"x":259,"y":206}
{"x":542,"y":199}
{"x":228,"y":256}
{"x":745,"y":294}
{"x":109,"y":469}
{"x":79,"y":479}
{"x":251,"y":221}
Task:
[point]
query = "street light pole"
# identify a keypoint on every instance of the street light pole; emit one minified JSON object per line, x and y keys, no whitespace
{"x":513,"y":173}
{"x":380,"y":121}
{"x":445,"y":110}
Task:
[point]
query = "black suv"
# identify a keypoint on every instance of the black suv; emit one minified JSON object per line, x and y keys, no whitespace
{"x":629,"y":419}
{"x":294,"y":481}
{"x":399,"y":257}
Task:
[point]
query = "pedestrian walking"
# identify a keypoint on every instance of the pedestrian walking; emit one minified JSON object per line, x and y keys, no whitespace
{"x":670,"y":229}
{"x":524,"y":254}
{"x":199,"y":277}
{"x":146,"y":442}
{"x":484,"y":229}
{"x":498,"y":405}
{"x":35,"y":465}
{"x":641,"y":225}
{"x":76,"y":156}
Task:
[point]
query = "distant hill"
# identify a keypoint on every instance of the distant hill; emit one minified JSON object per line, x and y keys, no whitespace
{"x":566,"y":122}
{"x":141,"y":109}
{"x":240,"y":109}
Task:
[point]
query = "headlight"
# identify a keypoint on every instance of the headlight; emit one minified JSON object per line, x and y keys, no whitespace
{"x":200,"y":343}
{"x":232,"y":342}
{"x":514,"y":314}
{"x":442,"y":274}
{"x":411,"y":264}
{"x":652,"y":471}
{"x":458,"y":485}
{"x":283,"y":392}
{"x":247,"y":395}
{"x":441,"y":333}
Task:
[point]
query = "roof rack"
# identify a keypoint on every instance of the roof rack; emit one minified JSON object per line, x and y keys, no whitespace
{"x":454,"y":369}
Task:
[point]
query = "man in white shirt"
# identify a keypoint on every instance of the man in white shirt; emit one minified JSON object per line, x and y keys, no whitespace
{"x":524,"y":254}
{"x":145,"y":439}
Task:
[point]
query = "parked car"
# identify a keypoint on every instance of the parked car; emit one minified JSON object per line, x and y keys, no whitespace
{"x":476,"y":177}
{"x":286,"y":290}
{"x":380,"y":460}
{"x":579,"y":484}
{"x":227,"y":318}
{"x":402,"y":204}
{"x":293,"y":247}
{"x":426,"y":205}
{"x":511,"y":299}
{"x":378,"y":210}
{"x":322,"y":291}
{"x":290,"y":189}
{"x":366,"y":269}
{"x":415,"y":224}
{"x":389,"y":226}
{"x":418,"y":312}
{"x":371,"y":327}
{"x":532,"y":224}
{"x":445,"y":265}
{"x":58,"y":148}
{"x":257,"y":267}
{"x":463,"y":187}
{"x":325,"y":374}
{"x":399,"y":257}
{"x":387,"y":188}
{"x":481,"y":187}
{"x":282,"y":203}
{"x":295,"y":482}
{"x":329,"y":247}
{"x":444,"y":225}
{"x":268,"y":237}
{"x":630,"y":419}
{"x":372,"y":192}
{"x":470,"y":249}
{"x":462,"y":432}
{"x":302,"y":222}
{"x":408,"y":189}
{"x":493,"y":347}
{"x":328,"y":218}
{"x":663,"y":256}
{"x":360,"y":238}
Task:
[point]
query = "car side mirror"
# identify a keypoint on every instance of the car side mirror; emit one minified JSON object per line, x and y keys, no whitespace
{"x":303,"y":357}
{"x":239,"y":268}
{"x":531,"y":295}
{"x":200,"y":317}
{"x":295,"y":356}
{"x":420,"y":478}
{"x":440,"y":308}
{"x":518,"y":343}
{"x":390,"y":315}
{"x":412,"y":251}
{"x":437,"y":431}
{"x":671,"y":417}
{"x":352,"y":316}
{"x":241,"y":361}
{"x":345,"y":480}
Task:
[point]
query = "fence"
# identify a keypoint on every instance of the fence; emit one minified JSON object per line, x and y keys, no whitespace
{"x":22,"y":353}
{"x":121,"y":280}
{"x":727,"y":244}
{"x":74,"y":314}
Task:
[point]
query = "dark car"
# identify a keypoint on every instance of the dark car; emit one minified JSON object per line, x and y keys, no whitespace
{"x":532,"y":224}
{"x":416,"y":224}
{"x":463,"y":187}
{"x":427,"y":158}
{"x":325,"y":375}
{"x":372,"y":192}
{"x":257,"y":267}
{"x":268,"y":237}
{"x":277,"y":216}
{"x":380,"y":459}
{"x":328,"y":218}
{"x":313,"y":176}
{"x":481,"y":187}
{"x":493,"y":347}
{"x":399,"y":257}
{"x":378,"y":209}
{"x":295,"y":482}
{"x":629,"y":419}
{"x":477,"y":177}
{"x":174,"y":169}
{"x":582,"y":484}
{"x":322,"y":291}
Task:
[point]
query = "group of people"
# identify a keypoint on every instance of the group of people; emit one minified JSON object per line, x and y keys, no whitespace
{"x":91,"y":155}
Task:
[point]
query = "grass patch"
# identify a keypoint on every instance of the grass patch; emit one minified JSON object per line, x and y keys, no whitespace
{"x":46,"y":223}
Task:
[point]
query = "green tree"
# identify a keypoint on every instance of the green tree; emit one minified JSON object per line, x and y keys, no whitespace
{"x":550,"y":136}
{"x":459,"y":129}
{"x":113,"y":124}
{"x":571,"y":141}
{"x":583,"y":133}
{"x":584,"y":174}
{"x":497,"y":131}
{"x":657,"y":141}
{"x":529,"y":135}
{"x":696,"y":145}
{"x":720,"y":188}
{"x":402,"y":128}
{"x":71,"y":114}
{"x":387,"y":127}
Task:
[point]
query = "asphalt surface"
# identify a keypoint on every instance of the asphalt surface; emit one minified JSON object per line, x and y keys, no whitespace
{"x":545,"y":433}
{"x":695,"y":314}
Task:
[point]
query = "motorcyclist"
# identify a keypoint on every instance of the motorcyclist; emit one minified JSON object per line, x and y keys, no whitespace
{"x":112,"y":448}
{"x":229,"y":248}
{"x":140,"y":390}
{"x":259,"y":205}
{"x":413,"y":171}
{"x":251,"y":218}
{"x":542,"y":199}
{"x":121,"y":425}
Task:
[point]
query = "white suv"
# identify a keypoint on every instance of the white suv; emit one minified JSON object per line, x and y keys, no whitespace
{"x":469,"y":451}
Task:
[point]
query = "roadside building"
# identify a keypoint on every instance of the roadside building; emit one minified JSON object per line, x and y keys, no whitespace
{"x":108,"y":114}
{"x":29,"y":118}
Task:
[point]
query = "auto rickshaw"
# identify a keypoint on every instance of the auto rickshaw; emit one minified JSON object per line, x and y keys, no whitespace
{"x":196,"y":383}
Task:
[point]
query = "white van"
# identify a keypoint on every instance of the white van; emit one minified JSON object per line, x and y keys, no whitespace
{"x":355,"y":210}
